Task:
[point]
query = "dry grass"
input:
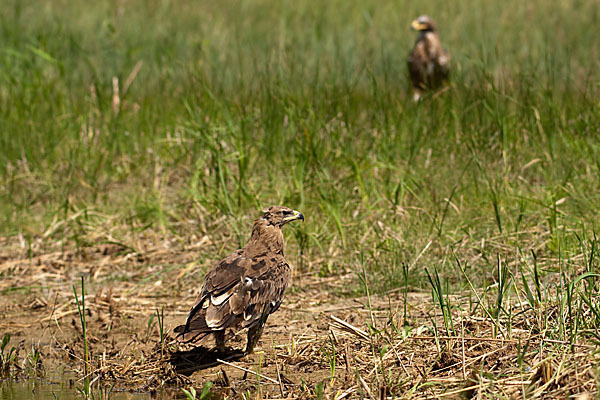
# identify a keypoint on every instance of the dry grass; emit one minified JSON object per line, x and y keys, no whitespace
{"x":450,"y":245}
{"x":317,"y":345}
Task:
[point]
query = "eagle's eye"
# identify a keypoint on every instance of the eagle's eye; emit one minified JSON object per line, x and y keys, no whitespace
{"x":286,"y":212}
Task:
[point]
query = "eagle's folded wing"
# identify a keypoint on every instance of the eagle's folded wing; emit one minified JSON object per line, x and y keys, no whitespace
{"x":238,"y":291}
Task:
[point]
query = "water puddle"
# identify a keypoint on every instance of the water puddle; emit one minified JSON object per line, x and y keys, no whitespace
{"x":48,"y":389}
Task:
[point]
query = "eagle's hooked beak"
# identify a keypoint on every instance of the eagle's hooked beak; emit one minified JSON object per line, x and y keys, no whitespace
{"x":295,"y":216}
{"x":417,"y":26}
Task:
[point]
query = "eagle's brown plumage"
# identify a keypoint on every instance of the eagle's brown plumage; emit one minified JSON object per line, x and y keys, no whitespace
{"x":428,"y":62}
{"x":245,"y":287}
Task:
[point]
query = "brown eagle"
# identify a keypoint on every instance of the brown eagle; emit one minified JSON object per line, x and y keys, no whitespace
{"x":428,"y":62}
{"x":244,"y":288}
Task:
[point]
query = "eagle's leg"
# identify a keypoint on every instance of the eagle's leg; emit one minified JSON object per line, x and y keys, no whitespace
{"x":254,"y":334}
{"x":220,"y":340}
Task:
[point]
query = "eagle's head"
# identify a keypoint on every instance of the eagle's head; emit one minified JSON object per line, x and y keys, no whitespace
{"x":423,"y":24}
{"x":280,"y":215}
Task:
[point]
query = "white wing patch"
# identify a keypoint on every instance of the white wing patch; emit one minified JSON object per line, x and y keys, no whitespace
{"x":212,"y":323}
{"x":212,"y":317}
{"x":218,"y":300}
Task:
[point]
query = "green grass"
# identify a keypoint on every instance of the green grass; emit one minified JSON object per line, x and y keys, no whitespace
{"x":241,"y":105}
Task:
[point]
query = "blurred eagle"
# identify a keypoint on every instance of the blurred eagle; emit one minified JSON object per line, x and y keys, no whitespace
{"x":244,"y":288}
{"x":428,"y":62}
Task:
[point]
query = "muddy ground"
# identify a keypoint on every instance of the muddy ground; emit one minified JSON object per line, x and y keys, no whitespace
{"x":322,"y":342}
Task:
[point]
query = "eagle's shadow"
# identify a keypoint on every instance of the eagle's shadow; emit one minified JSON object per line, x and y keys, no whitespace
{"x":190,"y":361}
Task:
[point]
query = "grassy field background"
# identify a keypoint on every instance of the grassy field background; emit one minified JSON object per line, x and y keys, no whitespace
{"x":228,"y":107}
{"x":224,"y":108}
